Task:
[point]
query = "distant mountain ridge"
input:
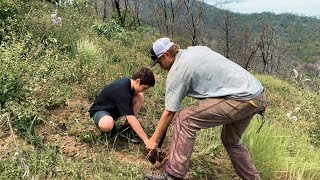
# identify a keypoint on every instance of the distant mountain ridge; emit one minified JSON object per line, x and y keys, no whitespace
{"x":293,"y":8}
{"x":302,"y":33}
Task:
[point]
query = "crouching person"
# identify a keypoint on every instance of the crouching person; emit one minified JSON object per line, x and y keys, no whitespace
{"x":123,"y":97}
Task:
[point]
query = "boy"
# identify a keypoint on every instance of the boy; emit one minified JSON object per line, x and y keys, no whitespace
{"x":123,"y":97}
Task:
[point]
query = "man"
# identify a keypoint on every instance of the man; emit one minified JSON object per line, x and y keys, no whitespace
{"x":123,"y":97}
{"x":229,"y":96}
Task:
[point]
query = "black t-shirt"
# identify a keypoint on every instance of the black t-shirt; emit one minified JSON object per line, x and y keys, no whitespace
{"x":115,"y":98}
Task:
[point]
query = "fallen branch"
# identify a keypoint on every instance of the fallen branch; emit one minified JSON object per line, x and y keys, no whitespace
{"x":18,"y":151}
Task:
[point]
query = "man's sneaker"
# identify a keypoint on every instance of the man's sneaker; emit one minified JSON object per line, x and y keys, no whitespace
{"x":127,"y":132}
{"x":159,"y":176}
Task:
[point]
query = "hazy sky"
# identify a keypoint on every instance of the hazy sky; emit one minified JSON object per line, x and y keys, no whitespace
{"x":298,"y":7}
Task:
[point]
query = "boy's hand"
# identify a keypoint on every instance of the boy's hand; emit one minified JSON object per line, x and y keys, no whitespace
{"x":146,"y":142}
{"x":151,"y":145}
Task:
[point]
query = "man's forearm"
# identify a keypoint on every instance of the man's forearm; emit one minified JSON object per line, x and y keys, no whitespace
{"x":163,"y":125}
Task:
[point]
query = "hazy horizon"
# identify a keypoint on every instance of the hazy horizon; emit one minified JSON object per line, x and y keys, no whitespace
{"x":309,"y":8}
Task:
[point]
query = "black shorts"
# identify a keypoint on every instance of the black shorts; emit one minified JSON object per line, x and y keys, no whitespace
{"x":98,"y":115}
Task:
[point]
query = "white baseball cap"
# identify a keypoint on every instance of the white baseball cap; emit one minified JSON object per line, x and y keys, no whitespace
{"x":158,"y":48}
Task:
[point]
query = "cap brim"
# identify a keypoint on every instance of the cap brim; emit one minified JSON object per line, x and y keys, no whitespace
{"x":153,"y":62}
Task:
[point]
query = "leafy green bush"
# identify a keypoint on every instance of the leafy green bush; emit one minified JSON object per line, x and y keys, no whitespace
{"x":11,"y":88}
{"x":111,"y":30}
{"x":12,"y":83}
{"x":11,"y":16}
{"x":24,"y":118}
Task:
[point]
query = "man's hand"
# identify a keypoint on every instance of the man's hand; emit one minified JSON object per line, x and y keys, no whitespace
{"x":151,"y":148}
{"x":151,"y":145}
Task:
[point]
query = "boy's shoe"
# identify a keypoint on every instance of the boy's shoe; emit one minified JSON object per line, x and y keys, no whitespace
{"x":110,"y":134}
{"x":159,"y":176}
{"x":127,"y":132}
{"x":113,"y":132}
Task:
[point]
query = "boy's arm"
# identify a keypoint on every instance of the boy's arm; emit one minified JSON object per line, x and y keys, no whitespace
{"x":162,"y":126}
{"x":134,"y":123}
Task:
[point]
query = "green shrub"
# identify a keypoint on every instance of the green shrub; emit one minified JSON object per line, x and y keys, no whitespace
{"x":111,"y":30}
{"x":11,"y":88}
{"x":12,"y":83}
{"x":24,"y":118}
{"x":11,"y":15}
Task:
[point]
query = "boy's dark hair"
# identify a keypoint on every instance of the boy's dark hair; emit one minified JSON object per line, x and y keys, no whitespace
{"x":145,"y":75}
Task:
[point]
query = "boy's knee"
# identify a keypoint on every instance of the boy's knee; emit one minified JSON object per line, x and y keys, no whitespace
{"x":139,"y":97}
{"x":106,"y":125}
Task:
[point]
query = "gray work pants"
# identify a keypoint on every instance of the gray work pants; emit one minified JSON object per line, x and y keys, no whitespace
{"x":234,"y":115}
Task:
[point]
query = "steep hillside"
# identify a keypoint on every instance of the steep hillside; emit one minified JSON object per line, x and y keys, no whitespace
{"x":49,"y":75}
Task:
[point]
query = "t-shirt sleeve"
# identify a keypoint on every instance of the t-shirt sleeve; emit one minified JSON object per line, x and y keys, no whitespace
{"x":124,"y":106}
{"x":175,"y":92}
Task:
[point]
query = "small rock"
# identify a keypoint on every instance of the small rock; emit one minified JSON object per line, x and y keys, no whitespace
{"x":294,"y":118}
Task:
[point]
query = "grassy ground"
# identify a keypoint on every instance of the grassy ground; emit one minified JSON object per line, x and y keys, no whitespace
{"x":50,"y":75}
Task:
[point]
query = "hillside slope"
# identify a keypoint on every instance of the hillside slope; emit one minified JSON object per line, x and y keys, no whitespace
{"x":50,"y":75}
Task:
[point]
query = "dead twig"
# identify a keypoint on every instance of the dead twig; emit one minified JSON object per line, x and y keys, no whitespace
{"x":18,"y":151}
